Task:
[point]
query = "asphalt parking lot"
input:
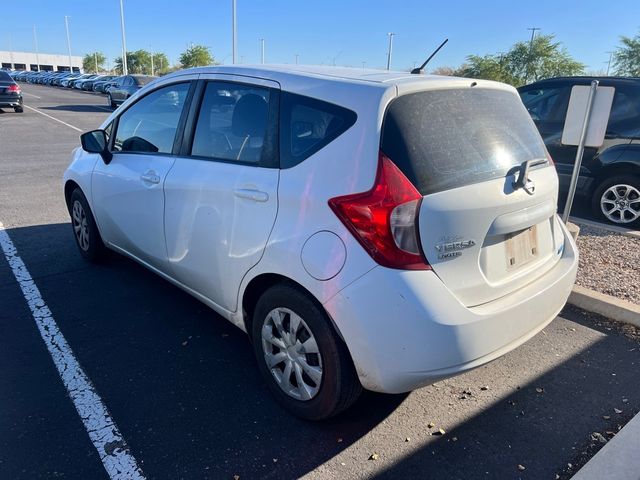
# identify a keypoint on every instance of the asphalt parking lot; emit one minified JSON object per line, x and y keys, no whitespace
{"x":183,"y":388}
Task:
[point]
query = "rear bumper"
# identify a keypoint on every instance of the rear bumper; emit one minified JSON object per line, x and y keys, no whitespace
{"x":405,"y":329}
{"x":10,"y":101}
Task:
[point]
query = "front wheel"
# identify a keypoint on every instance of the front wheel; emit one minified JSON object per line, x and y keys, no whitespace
{"x":306,"y":365}
{"x":85,"y":230}
{"x":617,"y":200}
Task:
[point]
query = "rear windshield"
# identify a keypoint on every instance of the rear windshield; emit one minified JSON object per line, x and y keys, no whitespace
{"x":443,"y":139}
{"x":5,"y":77}
{"x":144,"y":79}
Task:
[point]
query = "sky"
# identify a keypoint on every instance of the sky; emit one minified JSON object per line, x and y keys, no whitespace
{"x":347,"y":32}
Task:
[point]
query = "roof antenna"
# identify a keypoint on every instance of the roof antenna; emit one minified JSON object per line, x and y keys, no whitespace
{"x":418,"y":71}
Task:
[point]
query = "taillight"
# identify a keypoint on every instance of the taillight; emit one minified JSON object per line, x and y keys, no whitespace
{"x":384,"y":219}
{"x":13,"y":89}
{"x":550,"y":158}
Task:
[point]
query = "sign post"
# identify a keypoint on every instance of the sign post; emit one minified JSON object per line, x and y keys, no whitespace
{"x":585,"y":125}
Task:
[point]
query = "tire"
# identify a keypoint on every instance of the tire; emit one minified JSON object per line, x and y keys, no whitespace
{"x":110,"y":101}
{"x":621,"y":194}
{"x":84,"y":228}
{"x":338,"y":386}
{"x":18,"y":109}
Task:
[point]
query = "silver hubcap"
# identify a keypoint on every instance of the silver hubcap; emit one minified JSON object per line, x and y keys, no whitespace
{"x":291,"y":353}
{"x":621,"y":203}
{"x":80,"y":228}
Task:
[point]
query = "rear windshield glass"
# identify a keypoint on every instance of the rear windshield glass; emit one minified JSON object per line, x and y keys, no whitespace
{"x":444,"y":139}
{"x":144,"y":79}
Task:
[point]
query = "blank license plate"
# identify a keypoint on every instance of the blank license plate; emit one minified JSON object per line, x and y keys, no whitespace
{"x":521,"y":247}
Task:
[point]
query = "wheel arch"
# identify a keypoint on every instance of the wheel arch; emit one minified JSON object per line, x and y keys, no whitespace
{"x":69,"y":187}
{"x":260,"y":284}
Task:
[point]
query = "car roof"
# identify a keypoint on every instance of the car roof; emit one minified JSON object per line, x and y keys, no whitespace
{"x":585,"y":80}
{"x":382,"y":78}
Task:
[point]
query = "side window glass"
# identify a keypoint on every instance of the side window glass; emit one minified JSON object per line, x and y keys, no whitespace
{"x":307,"y":125}
{"x":150,"y":124}
{"x":547,"y":104}
{"x":624,"y":120}
{"x":232,"y":123}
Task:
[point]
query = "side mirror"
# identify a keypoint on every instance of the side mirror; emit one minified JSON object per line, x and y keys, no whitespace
{"x":95,"y":141}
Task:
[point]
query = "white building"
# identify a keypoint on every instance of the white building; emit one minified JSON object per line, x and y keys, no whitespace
{"x":47,"y":61}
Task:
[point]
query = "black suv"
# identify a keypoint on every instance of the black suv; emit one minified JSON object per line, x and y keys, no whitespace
{"x":609,"y":175}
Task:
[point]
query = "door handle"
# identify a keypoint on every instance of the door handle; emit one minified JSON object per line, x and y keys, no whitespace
{"x":150,"y":177}
{"x":250,"y":194}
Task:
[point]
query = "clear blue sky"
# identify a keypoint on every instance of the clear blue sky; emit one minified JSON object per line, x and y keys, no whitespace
{"x":352,"y":31}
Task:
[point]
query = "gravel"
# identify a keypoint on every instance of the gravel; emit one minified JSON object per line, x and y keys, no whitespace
{"x":609,"y":263}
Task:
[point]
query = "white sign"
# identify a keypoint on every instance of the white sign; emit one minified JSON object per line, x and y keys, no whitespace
{"x":577,"y":111}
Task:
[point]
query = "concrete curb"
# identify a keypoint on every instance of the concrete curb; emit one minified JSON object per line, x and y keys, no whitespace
{"x":605,"y":305}
{"x":618,"y":459}
{"x":627,"y":232}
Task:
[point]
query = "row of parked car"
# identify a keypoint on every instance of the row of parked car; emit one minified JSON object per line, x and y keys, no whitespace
{"x":117,"y":87}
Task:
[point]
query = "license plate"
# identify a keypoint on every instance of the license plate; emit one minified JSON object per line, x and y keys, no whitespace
{"x":522,"y":247}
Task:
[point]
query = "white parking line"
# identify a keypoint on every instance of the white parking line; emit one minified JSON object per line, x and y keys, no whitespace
{"x":30,"y":94}
{"x":102,"y":430}
{"x":53,"y":118}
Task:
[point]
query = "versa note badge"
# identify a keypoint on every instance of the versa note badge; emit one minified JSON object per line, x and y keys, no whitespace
{"x":451,"y":247}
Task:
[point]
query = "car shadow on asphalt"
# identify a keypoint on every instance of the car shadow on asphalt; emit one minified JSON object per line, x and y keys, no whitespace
{"x":545,"y":425}
{"x":78,"y":108}
{"x":180,"y":381}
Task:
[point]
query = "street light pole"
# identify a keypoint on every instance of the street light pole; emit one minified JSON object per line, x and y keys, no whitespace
{"x":297,"y":55}
{"x":35,"y":41}
{"x":233,"y":31}
{"x":390,"y":34}
{"x":66,"y":25}
{"x":533,"y":34}
{"x":125,"y":70}
{"x":262,"y":51}
{"x":95,"y":59}
{"x":609,"y":63}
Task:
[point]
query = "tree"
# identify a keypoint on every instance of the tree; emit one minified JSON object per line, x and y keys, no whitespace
{"x":525,"y":62}
{"x":627,"y":57}
{"x":140,"y":62}
{"x":196,"y":56}
{"x":93,"y":62}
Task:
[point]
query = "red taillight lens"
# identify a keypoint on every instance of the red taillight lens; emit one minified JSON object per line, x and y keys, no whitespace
{"x":550,"y":158}
{"x":13,"y":89}
{"x":383,"y":219}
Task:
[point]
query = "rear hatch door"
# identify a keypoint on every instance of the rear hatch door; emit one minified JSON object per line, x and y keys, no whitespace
{"x":484,"y":234}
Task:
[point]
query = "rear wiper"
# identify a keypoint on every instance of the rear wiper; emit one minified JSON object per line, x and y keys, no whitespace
{"x":523,"y":179}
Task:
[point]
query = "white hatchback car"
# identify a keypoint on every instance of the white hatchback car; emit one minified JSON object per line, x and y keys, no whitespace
{"x":366,"y":229}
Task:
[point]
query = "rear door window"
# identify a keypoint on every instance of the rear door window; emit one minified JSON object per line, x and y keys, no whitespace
{"x":233,"y":123}
{"x":443,"y":139}
{"x":308,"y":125}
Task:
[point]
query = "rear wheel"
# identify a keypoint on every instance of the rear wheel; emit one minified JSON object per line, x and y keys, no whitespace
{"x":306,"y":366}
{"x":617,"y":200}
{"x":85,"y":230}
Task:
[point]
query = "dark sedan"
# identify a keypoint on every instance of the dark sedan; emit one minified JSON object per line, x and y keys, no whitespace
{"x":127,"y":86}
{"x":10,"y":93}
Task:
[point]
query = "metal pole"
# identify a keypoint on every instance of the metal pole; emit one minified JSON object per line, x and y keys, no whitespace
{"x":233,"y":31}
{"x":533,"y":34}
{"x":390,"y":49}
{"x":66,"y":25}
{"x":35,"y":41}
{"x":297,"y":55}
{"x":95,"y":59}
{"x":609,"y":64}
{"x":579,"y":152}
{"x":152,"y":69}
{"x":11,"y":50}
{"x":262,"y":51}
{"x":125,"y":70}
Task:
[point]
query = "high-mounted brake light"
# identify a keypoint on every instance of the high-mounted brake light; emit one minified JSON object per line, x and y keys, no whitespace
{"x":384,"y":219}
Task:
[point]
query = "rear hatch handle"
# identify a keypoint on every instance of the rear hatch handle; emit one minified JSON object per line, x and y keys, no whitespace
{"x":523,"y":180}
